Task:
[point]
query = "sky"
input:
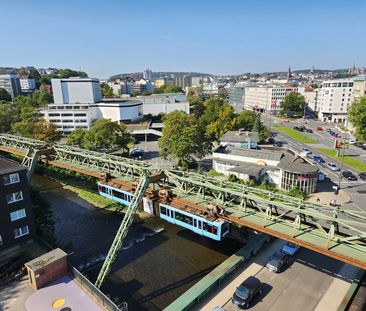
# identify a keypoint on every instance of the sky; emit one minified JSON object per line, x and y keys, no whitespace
{"x":108,"y":37}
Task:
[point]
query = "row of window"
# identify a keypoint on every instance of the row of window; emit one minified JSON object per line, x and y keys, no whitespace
{"x":67,"y":107}
{"x":68,"y":114}
{"x":338,"y":84}
{"x":19,"y":232}
{"x":68,"y":121}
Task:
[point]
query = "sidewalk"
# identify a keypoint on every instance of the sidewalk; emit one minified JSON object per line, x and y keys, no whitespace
{"x":326,"y":196}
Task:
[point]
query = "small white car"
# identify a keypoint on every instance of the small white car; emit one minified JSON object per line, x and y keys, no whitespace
{"x":333,"y":166}
{"x":307,"y":150}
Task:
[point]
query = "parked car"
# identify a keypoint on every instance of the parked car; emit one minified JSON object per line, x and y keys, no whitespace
{"x":290,"y":248}
{"x":136,"y":153}
{"x":296,"y":128}
{"x":277,"y":262}
{"x":278,"y":144}
{"x":318,"y":159}
{"x":362,"y":175}
{"x":328,"y":130}
{"x":277,"y":122}
{"x":358,"y":144}
{"x":349,"y":175}
{"x":331,"y":132}
{"x":351,"y":141}
{"x":309,"y":130}
{"x":333,"y":166}
{"x":319,"y":128}
{"x":13,"y":265}
{"x":271,"y":140}
{"x":245,"y":293}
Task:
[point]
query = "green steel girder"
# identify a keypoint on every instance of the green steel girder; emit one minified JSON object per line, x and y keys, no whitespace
{"x":326,"y":228}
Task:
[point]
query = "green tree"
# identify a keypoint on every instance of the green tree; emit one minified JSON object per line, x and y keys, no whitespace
{"x":245,"y":120}
{"x":46,"y":79}
{"x":262,"y":130}
{"x":4,"y":95}
{"x":28,"y":118}
{"x":293,"y":102}
{"x":168,"y":88}
{"x":76,"y":137}
{"x":41,"y":98}
{"x":225,"y":122}
{"x":9,"y":114}
{"x":106,"y":90}
{"x":183,"y":138}
{"x":105,"y":134}
{"x":46,"y":131}
{"x":357,"y":117}
{"x":67,"y":73}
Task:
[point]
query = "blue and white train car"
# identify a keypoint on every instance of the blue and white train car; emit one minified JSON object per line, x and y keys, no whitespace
{"x":121,"y":196}
{"x":216,"y":230}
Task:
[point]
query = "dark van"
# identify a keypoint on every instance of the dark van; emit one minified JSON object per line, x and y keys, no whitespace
{"x":245,"y":293}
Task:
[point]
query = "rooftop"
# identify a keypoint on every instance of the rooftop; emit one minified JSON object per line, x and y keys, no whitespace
{"x":297,"y":165}
{"x":44,"y":260}
{"x":240,"y":136}
{"x":248,"y":168}
{"x":9,"y":166}
{"x":251,"y":153}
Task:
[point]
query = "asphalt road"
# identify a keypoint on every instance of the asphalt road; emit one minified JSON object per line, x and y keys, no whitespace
{"x":300,"y":287}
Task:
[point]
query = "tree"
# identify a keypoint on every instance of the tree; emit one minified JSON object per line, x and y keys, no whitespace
{"x":168,"y":88}
{"x":4,"y":95}
{"x":183,"y":138}
{"x":293,"y":102}
{"x":42,"y":98}
{"x":46,"y":131}
{"x":105,"y":134}
{"x":106,"y":90}
{"x":28,"y":118}
{"x":357,"y":117}
{"x":262,"y":130}
{"x":76,"y":137}
{"x":9,"y":114}
{"x":196,"y":102}
{"x":67,"y":73}
{"x":224,"y":122}
{"x":245,"y":120}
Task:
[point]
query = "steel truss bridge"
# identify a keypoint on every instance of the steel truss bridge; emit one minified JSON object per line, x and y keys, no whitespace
{"x":332,"y":231}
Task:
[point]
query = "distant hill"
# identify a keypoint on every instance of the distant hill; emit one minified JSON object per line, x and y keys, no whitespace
{"x":160,"y":74}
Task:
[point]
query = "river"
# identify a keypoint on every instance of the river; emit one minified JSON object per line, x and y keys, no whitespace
{"x":158,"y":262}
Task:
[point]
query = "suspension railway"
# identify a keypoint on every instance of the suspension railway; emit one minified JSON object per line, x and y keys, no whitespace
{"x":203,"y":204}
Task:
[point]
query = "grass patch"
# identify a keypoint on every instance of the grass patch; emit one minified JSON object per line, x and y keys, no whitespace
{"x":214,"y":173}
{"x":94,"y":198}
{"x":299,"y":136}
{"x":348,"y":160}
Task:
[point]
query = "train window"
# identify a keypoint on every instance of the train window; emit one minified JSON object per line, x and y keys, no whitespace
{"x":199,"y":224}
{"x":184,"y":218}
{"x":163,"y":210}
{"x":195,"y":223}
{"x":210,"y":228}
{"x":102,"y":189}
{"x":168,"y":212}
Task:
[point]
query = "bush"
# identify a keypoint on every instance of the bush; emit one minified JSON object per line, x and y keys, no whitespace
{"x":212,"y":172}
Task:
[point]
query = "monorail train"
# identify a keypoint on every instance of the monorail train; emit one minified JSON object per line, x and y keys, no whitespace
{"x":216,"y":230}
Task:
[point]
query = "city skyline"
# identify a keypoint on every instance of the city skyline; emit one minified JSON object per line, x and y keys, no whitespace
{"x":224,"y":38}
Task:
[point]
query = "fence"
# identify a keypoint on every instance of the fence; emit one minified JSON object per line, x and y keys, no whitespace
{"x":96,"y":293}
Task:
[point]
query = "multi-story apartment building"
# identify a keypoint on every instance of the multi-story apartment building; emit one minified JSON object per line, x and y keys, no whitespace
{"x":27,"y":85}
{"x":335,"y":96}
{"x":183,"y":81}
{"x":143,"y":86}
{"x":16,"y":215}
{"x":11,"y":84}
{"x":268,"y":98}
{"x":147,"y":74}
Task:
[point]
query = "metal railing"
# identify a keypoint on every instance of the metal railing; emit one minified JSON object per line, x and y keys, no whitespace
{"x":102,"y":299}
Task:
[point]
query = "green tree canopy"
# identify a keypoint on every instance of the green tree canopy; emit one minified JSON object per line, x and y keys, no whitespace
{"x":168,"y":88}
{"x":294,"y":102}
{"x":183,"y":138}
{"x":357,"y":117}
{"x":104,"y":134}
{"x":4,"y":95}
{"x":9,"y":114}
{"x":106,"y":90}
{"x":262,"y":130}
{"x":46,"y":131}
{"x":28,"y":119}
{"x":67,"y":73}
{"x":245,"y":120}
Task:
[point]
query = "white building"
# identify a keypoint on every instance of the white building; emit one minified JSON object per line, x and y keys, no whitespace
{"x":78,"y":103}
{"x":335,"y":96}
{"x":76,"y":90}
{"x":161,"y":103}
{"x":27,"y":85}
{"x":143,"y":86}
{"x":11,"y":84}
{"x":147,"y":74}
{"x":267,"y":98}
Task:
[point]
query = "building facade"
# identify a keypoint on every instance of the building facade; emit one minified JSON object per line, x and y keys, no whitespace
{"x":268,"y":98}
{"x":183,"y":81}
{"x":27,"y":85}
{"x":76,"y":91}
{"x":11,"y":83}
{"x":147,"y":74}
{"x":16,"y":215}
{"x":236,"y":97}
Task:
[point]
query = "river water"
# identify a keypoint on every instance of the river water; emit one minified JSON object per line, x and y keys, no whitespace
{"x":158,"y":262}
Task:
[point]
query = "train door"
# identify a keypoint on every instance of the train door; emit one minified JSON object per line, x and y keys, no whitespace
{"x":199,"y":227}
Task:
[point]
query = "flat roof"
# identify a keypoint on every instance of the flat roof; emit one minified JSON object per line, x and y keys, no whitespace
{"x":240,"y":136}
{"x":248,"y":168}
{"x":250,"y":153}
{"x":8,"y":166}
{"x":44,"y":260}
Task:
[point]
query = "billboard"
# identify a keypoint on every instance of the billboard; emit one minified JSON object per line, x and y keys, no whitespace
{"x":340,"y":144}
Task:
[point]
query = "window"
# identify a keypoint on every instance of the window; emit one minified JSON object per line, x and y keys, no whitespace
{"x":210,"y":228}
{"x":14,"y":197}
{"x":17,"y":214}
{"x":11,"y":179}
{"x":1,"y":240}
{"x":21,"y":231}
{"x":163,"y":210}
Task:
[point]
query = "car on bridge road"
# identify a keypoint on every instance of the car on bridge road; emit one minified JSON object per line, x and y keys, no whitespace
{"x":318,"y":159}
{"x":362,"y":175}
{"x":319,"y":128}
{"x":333,"y":166}
{"x":290,"y":248}
{"x":277,"y":262}
{"x":246,"y":291}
